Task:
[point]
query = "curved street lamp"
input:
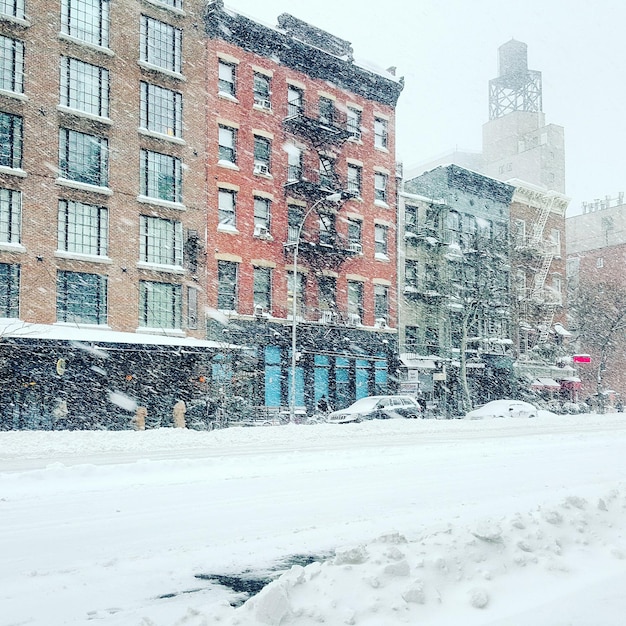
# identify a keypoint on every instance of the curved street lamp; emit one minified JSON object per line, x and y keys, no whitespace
{"x":333,"y":197}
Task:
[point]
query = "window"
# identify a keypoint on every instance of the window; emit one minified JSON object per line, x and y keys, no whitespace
{"x":294,"y":220}
{"x":263,"y":288}
{"x":355,"y":299}
{"x":354,"y":122}
{"x":453,"y":223}
{"x":226,"y":286}
{"x":83,"y":228}
{"x":161,"y":176}
{"x":161,"y":110}
{"x":10,"y":215}
{"x":380,"y":133}
{"x":262,"y":155}
{"x":13,"y":8}
{"x":327,"y":293}
{"x":84,"y":87}
{"x":227,"y":139}
{"x":328,"y":231}
{"x":326,"y":111}
{"x":227,"y":208}
{"x":11,"y":65}
{"x":600,"y":262}
{"x":484,"y":229}
{"x":431,"y":277}
{"x":160,"y":305}
{"x":9,"y":290}
{"x":380,"y":239}
{"x":87,"y":20}
{"x":83,"y":158}
{"x":10,"y":140}
{"x":354,"y":179}
{"x":410,"y":218}
{"x":161,"y":44}
{"x":381,"y":302}
{"x":294,"y":163}
{"x":226,"y":78}
{"x":411,"y":337}
{"x":262,"y":91}
{"x":519,"y":231}
{"x":355,"y":233}
{"x":295,"y":101}
{"x":380,"y":187}
{"x":327,"y":172}
{"x":555,"y":238}
{"x":262,"y":215}
{"x":411,"y":274}
{"x":81,"y":298}
{"x":192,"y":307}
{"x":176,"y":4}
{"x":160,"y":241}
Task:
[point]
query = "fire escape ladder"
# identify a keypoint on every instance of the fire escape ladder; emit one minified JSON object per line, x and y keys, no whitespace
{"x":542,"y":273}
{"x":542,"y":218}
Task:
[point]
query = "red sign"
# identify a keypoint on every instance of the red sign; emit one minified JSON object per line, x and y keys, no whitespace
{"x":581,"y":358}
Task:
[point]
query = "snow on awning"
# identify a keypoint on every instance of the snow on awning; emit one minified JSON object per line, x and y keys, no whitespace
{"x":545,"y":383}
{"x":416,"y":362}
{"x":68,"y":332}
{"x":571,"y":382}
{"x":561,"y":330}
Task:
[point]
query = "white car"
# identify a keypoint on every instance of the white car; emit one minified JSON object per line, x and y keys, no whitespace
{"x":503,"y":408}
{"x":377,"y":407}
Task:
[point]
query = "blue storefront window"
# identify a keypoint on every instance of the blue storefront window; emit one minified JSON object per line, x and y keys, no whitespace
{"x":380,"y":377}
{"x":342,"y":382}
{"x":321,"y":377}
{"x":272,"y":376}
{"x":362,"y":378}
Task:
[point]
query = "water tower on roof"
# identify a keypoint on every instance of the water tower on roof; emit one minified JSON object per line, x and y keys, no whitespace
{"x":516,"y":88}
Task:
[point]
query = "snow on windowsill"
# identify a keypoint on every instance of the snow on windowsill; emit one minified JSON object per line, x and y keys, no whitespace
{"x":228,"y":165}
{"x":78,"y":256}
{"x":381,"y":203}
{"x":12,"y":247}
{"x":161,"y":70}
{"x":227,"y":96}
{"x":163,"y":203}
{"x":89,"y":116}
{"x":156,"y":267}
{"x":66,"y":182}
{"x":381,"y":257}
{"x":87,"y":44}
{"x":13,"y":171}
{"x":227,"y":228}
{"x":164,"y":136}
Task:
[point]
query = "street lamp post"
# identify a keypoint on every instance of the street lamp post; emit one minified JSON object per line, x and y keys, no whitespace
{"x":334,"y":197}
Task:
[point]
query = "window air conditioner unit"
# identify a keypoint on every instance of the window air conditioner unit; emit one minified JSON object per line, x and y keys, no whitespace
{"x":258,"y":310}
{"x":261,"y":168}
{"x":380,"y":322}
{"x":356,"y":134}
{"x":326,"y":317}
{"x":355,"y":247}
{"x":354,"y":319}
{"x":264,"y":104}
{"x":261,"y":231}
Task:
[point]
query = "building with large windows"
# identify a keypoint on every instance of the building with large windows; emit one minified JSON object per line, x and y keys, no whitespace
{"x":301,"y":203}
{"x":102,"y":209}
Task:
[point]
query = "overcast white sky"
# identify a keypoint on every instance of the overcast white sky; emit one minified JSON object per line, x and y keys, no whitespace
{"x":447,"y":52}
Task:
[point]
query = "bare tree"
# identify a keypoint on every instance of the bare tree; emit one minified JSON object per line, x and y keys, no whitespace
{"x":598,"y":311}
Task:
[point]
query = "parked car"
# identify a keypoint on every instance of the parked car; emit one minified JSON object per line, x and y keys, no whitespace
{"x":503,"y":408}
{"x":377,"y":407}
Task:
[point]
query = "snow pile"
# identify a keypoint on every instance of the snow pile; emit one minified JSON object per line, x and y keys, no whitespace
{"x":472,"y":572}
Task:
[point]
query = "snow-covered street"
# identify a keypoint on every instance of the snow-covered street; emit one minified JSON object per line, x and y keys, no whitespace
{"x":502,"y":522}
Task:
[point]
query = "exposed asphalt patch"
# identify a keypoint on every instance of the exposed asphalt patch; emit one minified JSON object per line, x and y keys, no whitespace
{"x":249,"y":583}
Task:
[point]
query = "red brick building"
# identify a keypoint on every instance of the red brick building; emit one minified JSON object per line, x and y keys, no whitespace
{"x":291,"y":120}
{"x":596,"y":255}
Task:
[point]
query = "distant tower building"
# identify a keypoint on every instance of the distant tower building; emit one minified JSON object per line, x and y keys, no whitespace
{"x":517,"y":143}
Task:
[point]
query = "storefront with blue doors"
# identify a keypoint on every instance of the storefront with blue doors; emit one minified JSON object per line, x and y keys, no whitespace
{"x":338,"y":363}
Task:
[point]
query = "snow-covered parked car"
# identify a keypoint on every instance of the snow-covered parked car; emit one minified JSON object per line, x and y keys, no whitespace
{"x":377,"y":407}
{"x":503,"y":408}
